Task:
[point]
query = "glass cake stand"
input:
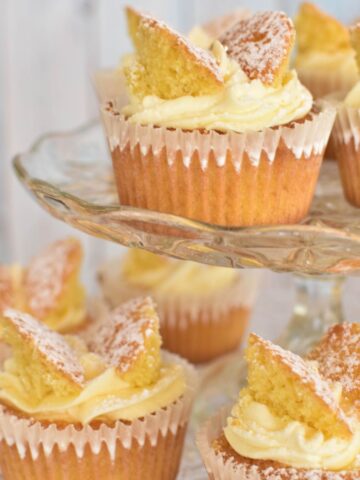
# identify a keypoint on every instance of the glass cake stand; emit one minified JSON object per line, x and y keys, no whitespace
{"x":70,"y":175}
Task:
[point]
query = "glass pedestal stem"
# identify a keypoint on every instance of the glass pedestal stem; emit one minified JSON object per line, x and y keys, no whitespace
{"x":318,"y":305}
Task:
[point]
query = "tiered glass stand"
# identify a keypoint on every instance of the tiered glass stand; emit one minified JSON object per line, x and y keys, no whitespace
{"x":70,"y":175}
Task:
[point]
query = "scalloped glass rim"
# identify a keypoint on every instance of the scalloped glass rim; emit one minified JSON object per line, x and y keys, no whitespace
{"x":70,"y":175}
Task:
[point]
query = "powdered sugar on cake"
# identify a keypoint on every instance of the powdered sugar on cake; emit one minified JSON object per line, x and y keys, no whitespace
{"x":260,"y":44}
{"x":306,"y":375}
{"x":338,"y":358}
{"x":51,"y":346}
{"x":45,"y":277}
{"x":121,"y":339}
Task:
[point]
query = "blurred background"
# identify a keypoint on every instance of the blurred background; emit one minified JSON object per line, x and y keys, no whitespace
{"x":49,"y":50}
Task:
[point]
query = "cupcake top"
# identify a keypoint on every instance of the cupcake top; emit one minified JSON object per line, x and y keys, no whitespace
{"x":289,"y":413}
{"x":323,"y":44}
{"x":338,"y":359}
{"x":49,"y":287}
{"x":120,"y":374}
{"x":165,"y":276}
{"x":240,"y":83}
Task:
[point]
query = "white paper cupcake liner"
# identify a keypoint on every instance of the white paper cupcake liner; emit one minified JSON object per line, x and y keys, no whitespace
{"x":303,"y":139}
{"x":216,"y":467}
{"x":347,"y":126}
{"x":220,"y":468}
{"x":29,"y":435}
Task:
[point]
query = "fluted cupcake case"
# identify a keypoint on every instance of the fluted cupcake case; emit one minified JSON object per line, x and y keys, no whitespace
{"x":232,"y":179}
{"x":346,"y":140}
{"x":131,"y":450}
{"x":223,"y":464}
{"x":199,"y":329}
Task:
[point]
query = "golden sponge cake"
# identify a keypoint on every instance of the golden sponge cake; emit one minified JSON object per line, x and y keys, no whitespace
{"x":290,"y":386}
{"x":130,"y":341}
{"x":338,"y":359}
{"x":318,"y":31}
{"x":261,"y":44}
{"x":51,"y":285}
{"x":42,"y":358}
{"x":166,"y":64}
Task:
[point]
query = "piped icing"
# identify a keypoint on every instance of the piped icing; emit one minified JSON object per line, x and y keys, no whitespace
{"x":289,"y":414}
{"x":243,"y":105}
{"x":325,"y":63}
{"x":105,"y":397}
{"x":56,"y":378}
{"x":255,"y":432}
{"x":164,"y":276}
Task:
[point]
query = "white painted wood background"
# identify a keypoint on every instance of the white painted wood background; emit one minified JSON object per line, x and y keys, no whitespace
{"x":48,"y":51}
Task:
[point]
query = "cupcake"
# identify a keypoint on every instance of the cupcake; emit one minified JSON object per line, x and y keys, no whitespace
{"x":346,"y":134}
{"x":325,"y":60}
{"x":203,"y":310}
{"x":116,"y":408}
{"x":290,"y":421}
{"x":48,"y":288}
{"x":226,"y":135}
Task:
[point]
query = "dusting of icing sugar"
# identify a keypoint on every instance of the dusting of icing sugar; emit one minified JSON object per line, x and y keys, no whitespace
{"x":306,"y":375}
{"x":49,"y":344}
{"x":338,"y":358}
{"x":121,"y":339}
{"x":198,"y":55}
{"x":260,"y":44}
{"x":47,"y":274}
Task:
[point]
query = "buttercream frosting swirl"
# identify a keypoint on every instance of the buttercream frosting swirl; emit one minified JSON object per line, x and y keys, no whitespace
{"x":241,"y":106}
{"x":341,"y":63}
{"x":105,"y":396}
{"x":166,"y":276}
{"x":255,"y":432}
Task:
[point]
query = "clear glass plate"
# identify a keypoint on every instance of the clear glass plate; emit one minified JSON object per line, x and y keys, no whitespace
{"x":70,"y":175}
